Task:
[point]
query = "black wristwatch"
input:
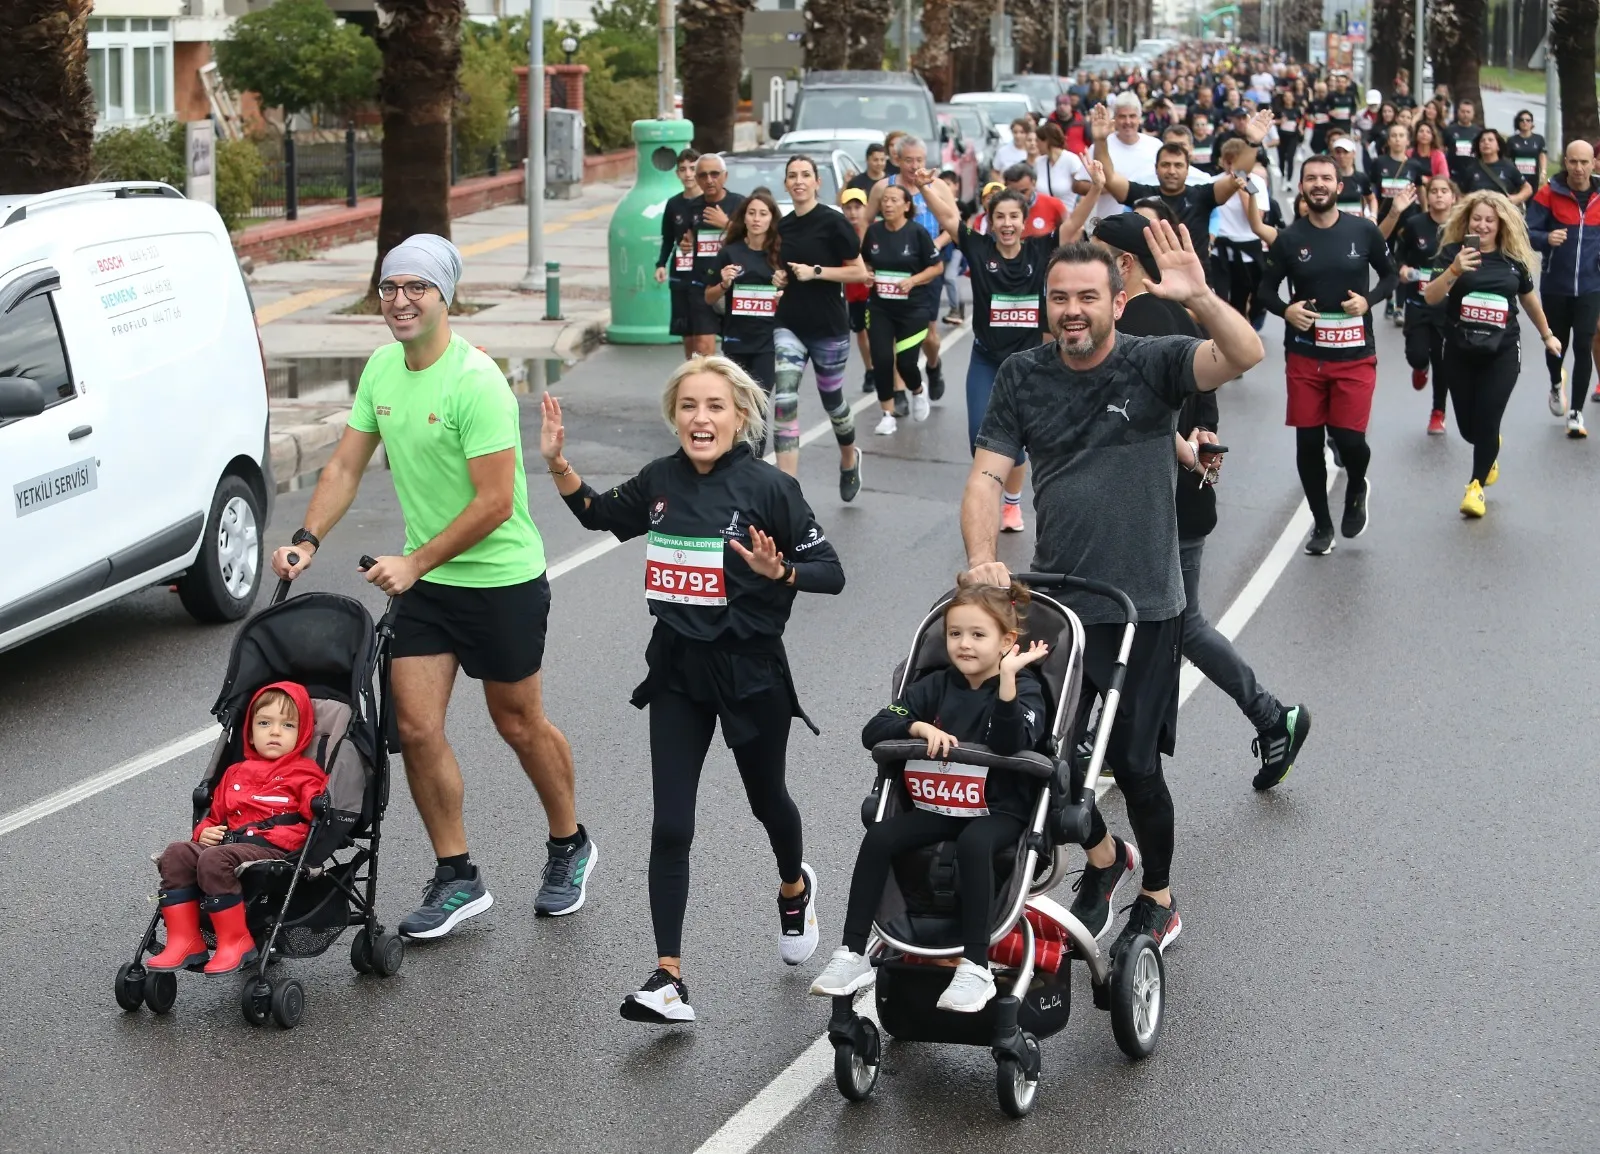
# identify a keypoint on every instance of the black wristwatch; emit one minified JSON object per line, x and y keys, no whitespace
{"x":303,"y":536}
{"x":817,"y":268}
{"x":788,"y":572}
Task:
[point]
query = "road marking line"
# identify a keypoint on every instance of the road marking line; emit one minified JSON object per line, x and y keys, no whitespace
{"x":155,"y":758}
{"x":759,"y":1117}
{"x":290,"y":305}
{"x":101,"y":782}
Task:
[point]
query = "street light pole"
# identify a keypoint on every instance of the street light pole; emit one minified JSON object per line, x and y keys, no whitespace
{"x":1554,"y":142}
{"x":667,"y":70}
{"x":533,"y":279}
{"x":1055,"y":38}
{"x":905,"y":36}
{"x":1419,"y":21}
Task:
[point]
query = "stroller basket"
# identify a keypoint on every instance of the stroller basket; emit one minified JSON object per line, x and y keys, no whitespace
{"x":318,"y":913}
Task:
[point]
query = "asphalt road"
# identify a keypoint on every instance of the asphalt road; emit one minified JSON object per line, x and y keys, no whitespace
{"x":1385,"y":953}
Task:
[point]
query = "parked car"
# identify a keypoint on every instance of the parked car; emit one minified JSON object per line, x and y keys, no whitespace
{"x":1101,"y":64}
{"x":1002,"y":107}
{"x":827,"y":140}
{"x":764,"y":167}
{"x":977,"y":129}
{"x":1043,"y":89}
{"x":881,"y":101}
{"x":133,"y":408}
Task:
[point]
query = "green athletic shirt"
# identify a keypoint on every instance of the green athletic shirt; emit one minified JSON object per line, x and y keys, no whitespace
{"x":431,"y":424}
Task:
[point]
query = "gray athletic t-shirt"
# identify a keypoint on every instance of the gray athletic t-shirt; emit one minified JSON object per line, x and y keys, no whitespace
{"x":1100,"y":443}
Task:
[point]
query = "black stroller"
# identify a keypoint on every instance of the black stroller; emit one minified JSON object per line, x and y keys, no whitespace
{"x":297,"y":908}
{"x":918,"y":916}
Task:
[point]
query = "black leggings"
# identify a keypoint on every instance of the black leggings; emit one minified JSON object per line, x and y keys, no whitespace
{"x":1425,"y":349}
{"x":977,"y":840}
{"x":1288,"y":145}
{"x":895,"y":336}
{"x":1309,"y":460}
{"x":762,"y":368}
{"x":680,"y":735}
{"x":1573,"y":319}
{"x":1480,"y":389}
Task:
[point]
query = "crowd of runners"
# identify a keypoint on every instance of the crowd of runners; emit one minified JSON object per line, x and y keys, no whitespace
{"x":1120,"y":263}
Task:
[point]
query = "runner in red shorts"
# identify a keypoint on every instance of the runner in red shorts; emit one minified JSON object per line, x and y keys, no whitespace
{"x":1328,"y":257}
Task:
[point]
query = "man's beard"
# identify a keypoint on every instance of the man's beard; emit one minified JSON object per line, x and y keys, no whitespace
{"x":1085,"y":343}
{"x":1316,"y":205}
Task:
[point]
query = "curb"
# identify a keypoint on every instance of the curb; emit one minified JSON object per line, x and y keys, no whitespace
{"x":305,"y":448}
{"x":581,"y":337}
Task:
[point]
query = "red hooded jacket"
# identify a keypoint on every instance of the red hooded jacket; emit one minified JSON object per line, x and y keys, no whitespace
{"x":255,"y":790}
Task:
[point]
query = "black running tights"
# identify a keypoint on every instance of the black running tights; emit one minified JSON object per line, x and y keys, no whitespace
{"x":680,"y":735}
{"x":1288,"y":145}
{"x":1480,"y":389}
{"x":1573,"y":319}
{"x":977,"y":840}
{"x":895,"y":337}
{"x":1425,"y":349}
{"x":1308,"y":458}
{"x":762,"y":368}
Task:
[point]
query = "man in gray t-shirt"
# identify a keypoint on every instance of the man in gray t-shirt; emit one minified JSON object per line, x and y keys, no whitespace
{"x":1097,"y":413}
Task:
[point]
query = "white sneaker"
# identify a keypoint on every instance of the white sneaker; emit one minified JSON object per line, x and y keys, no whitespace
{"x":920,"y":406}
{"x":1558,"y":400}
{"x":886,"y":425}
{"x":1575,"y":429}
{"x":797,"y":921}
{"x":845,"y":973}
{"x":662,"y":998}
{"x":969,"y":990}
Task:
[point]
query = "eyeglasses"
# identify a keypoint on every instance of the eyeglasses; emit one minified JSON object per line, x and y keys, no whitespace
{"x":415,"y":290}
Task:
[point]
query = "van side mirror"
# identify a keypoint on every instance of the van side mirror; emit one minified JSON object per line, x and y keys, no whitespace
{"x":776,"y":129}
{"x":20,"y":397}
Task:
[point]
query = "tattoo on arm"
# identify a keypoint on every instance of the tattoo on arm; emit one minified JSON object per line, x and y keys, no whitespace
{"x":1214,"y":357}
{"x":997,"y":480}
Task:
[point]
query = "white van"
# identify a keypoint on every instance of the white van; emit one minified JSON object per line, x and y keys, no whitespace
{"x":133,"y":408}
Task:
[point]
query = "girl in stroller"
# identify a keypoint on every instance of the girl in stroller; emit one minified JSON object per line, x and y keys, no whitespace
{"x":987,"y":695}
{"x":261,"y":809}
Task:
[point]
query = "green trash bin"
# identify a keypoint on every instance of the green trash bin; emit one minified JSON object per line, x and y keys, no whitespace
{"x":641,"y":309}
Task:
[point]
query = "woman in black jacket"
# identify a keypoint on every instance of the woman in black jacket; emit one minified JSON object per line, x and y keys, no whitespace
{"x":731,"y":543}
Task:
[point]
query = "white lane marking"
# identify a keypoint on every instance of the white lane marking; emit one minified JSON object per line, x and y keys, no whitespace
{"x":101,"y":782}
{"x":155,"y":758}
{"x":762,"y":1114}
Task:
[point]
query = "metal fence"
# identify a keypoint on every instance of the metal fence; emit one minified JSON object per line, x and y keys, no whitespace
{"x":296,"y":173}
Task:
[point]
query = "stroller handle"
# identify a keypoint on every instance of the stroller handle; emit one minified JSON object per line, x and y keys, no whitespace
{"x":282,"y":590}
{"x":1088,"y":585}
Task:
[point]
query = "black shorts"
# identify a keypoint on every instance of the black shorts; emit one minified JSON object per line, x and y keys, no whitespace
{"x":678,"y":324}
{"x":858,"y":316}
{"x":497,"y":634}
{"x":1147,"y":715}
{"x":704,"y":321}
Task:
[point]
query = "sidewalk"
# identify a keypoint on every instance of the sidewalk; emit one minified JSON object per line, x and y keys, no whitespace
{"x":315,"y":354}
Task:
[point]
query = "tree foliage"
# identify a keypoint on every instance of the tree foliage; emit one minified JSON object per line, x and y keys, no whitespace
{"x":46,"y":104}
{"x":155,"y":151}
{"x":297,"y":55}
{"x":1575,"y":22}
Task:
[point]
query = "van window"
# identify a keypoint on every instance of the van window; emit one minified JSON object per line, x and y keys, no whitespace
{"x":30,"y":346}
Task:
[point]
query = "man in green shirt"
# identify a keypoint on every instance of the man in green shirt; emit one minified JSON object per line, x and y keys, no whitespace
{"x":471,"y":582}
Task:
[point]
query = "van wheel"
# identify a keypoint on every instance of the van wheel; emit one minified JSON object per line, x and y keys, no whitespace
{"x":221,"y":584}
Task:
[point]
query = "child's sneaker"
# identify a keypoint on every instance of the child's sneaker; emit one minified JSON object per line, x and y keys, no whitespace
{"x":845,"y":973}
{"x":969,"y":990}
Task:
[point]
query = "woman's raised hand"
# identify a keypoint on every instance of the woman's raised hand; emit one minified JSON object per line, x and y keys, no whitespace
{"x":763,"y":556}
{"x":552,"y":436}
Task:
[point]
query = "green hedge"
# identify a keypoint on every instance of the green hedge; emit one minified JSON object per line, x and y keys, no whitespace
{"x":155,"y":151}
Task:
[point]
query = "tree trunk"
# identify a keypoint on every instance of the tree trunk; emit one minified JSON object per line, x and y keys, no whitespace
{"x":1575,"y":62}
{"x":932,"y":60}
{"x":1030,"y":33}
{"x":1300,"y":19}
{"x":421,"y":43}
{"x":713,"y":35}
{"x":869,"y":24}
{"x":1455,"y":37}
{"x":1391,"y":49}
{"x":46,"y":104}
{"x":972,"y":56}
{"x":827,"y":36}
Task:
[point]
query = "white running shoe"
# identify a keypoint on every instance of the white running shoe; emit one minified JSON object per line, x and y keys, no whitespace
{"x":797,"y":920}
{"x":1575,"y":429}
{"x":920,"y":406}
{"x":969,"y":990}
{"x":662,"y":998}
{"x":845,"y":973}
{"x":886,"y":425}
{"x":1558,"y":396}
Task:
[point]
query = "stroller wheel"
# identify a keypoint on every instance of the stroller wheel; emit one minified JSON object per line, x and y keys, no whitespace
{"x":856,"y":1072}
{"x":1015,"y":1089}
{"x":361,"y":951}
{"x":255,"y":999}
{"x":288,"y":1002}
{"x":388,"y":952}
{"x":160,"y":992}
{"x":1138,"y":996}
{"x":130,"y":986}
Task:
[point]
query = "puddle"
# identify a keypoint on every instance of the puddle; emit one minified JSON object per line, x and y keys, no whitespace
{"x":313,"y":380}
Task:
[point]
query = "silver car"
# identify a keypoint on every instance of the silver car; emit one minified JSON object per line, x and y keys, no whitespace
{"x":763,"y":168}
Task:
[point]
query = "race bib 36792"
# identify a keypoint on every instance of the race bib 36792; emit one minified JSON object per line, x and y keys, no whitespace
{"x":684,"y":570}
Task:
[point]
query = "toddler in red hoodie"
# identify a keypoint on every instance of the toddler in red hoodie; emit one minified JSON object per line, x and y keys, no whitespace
{"x":261,"y":809}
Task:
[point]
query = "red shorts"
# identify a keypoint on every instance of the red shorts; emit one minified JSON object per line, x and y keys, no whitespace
{"x":1337,"y":393}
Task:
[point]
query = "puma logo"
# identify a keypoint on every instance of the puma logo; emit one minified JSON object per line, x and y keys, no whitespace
{"x":1122,"y":408}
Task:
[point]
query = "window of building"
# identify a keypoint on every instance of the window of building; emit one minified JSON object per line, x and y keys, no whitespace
{"x":130,"y":68}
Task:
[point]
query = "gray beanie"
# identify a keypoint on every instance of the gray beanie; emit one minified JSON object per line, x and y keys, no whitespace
{"x":429,"y":256}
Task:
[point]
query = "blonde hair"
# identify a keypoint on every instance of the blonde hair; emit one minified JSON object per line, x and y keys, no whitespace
{"x":749,"y":398}
{"x":1513,"y":234}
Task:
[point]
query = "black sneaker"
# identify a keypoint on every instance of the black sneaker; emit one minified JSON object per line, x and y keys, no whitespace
{"x":1355,"y":510}
{"x":850,"y":479}
{"x":1278,"y":744}
{"x":935,"y":382}
{"x":902,"y":403}
{"x":1096,"y":887}
{"x":1149,"y":917}
{"x":662,"y":998}
{"x":867,"y":383}
{"x":566,"y":877}
{"x":446,"y":902}
{"x":1321,"y":540}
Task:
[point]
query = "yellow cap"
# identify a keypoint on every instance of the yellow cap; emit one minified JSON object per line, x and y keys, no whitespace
{"x":992,"y":187}
{"x":853,"y":194}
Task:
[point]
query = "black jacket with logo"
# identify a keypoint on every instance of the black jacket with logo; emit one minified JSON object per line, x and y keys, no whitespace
{"x":1322,"y":266}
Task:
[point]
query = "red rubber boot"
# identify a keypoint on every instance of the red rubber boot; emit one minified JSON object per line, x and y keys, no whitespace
{"x":236,"y":948}
{"x":180,"y":910}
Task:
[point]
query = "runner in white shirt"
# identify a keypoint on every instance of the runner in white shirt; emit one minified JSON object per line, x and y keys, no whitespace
{"x":1132,"y":152}
{"x":1057,"y":172}
{"x":1017,"y":151}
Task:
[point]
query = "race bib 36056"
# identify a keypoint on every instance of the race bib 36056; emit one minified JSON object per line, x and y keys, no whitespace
{"x":1013,"y":312}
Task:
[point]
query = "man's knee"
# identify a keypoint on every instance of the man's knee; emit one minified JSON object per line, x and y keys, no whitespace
{"x":420,"y":734}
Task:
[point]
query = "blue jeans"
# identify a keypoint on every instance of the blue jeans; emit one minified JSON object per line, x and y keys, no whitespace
{"x":981,"y":370}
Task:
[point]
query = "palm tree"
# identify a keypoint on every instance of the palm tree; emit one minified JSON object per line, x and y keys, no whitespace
{"x":421,"y":43}
{"x":827,"y":36}
{"x":869,"y":23}
{"x":713,"y":35}
{"x":46,"y":104}
{"x":932,"y":60}
{"x":1455,"y":32}
{"x":1392,"y":49}
{"x":1574,"y":26}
